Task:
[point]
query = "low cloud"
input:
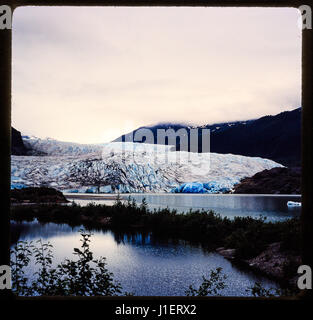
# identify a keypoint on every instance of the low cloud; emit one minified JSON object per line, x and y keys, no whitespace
{"x":90,"y":74}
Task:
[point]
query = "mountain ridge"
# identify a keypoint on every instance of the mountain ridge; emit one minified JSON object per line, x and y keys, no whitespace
{"x":18,"y":147}
{"x":276,"y":137}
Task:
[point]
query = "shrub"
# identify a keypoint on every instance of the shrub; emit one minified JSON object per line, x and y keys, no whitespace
{"x":258,"y":291}
{"x":211,"y":286}
{"x":85,"y":276}
{"x":248,"y":235}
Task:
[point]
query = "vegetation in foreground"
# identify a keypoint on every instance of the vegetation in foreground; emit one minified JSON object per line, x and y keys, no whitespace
{"x":249,"y":238}
{"x":87,"y":276}
{"x":247,"y":235}
{"x":84,"y":276}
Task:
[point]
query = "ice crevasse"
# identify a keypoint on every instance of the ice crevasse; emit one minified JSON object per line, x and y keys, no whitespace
{"x":130,"y":167}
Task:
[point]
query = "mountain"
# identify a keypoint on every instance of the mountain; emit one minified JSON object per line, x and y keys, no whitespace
{"x":17,"y":145}
{"x":238,"y":150}
{"x":273,"y":181}
{"x":132,"y":167}
{"x":53,"y":147}
{"x":275,"y":137}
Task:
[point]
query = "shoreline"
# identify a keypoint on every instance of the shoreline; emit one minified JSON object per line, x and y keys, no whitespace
{"x":242,"y":263}
{"x":209,"y":230}
{"x":124,"y":196}
{"x":88,"y":196}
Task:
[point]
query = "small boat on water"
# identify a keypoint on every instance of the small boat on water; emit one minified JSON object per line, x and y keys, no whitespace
{"x":293,"y":204}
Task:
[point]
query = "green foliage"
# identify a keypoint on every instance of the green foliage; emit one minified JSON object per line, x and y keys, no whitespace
{"x":88,"y":276}
{"x":211,"y":286}
{"x":247,"y":235}
{"x":251,"y":236}
{"x":291,"y":239}
{"x":248,"y":241}
{"x":84,"y":276}
{"x":144,"y":205}
{"x":20,"y":258}
{"x":258,"y":291}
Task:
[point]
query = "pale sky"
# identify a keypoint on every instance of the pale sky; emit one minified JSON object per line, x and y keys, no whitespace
{"x":90,"y":74}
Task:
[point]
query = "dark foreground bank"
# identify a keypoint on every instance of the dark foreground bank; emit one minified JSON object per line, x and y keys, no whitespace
{"x":267,"y":247}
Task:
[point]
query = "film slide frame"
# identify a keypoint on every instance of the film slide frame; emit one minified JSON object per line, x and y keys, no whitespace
{"x":5,"y":135}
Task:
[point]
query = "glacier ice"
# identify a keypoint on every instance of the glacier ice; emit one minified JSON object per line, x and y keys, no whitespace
{"x":293,"y":204}
{"x":131,"y":167}
{"x":198,"y":187}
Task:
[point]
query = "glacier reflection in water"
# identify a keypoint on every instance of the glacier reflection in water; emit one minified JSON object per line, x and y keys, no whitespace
{"x":143,"y":265}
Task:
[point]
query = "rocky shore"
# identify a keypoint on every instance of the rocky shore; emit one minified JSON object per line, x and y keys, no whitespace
{"x":271,"y":249}
{"x":273,"y":262}
{"x":273,"y":181}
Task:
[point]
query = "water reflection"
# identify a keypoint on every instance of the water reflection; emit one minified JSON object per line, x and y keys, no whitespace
{"x":273,"y":207}
{"x":144,"y":264}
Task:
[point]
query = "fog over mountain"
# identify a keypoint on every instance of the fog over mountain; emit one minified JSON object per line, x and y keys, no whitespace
{"x":128,"y":67}
{"x":275,"y":137}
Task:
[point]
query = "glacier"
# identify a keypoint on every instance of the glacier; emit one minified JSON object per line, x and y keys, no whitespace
{"x":129,"y":168}
{"x":198,"y":187}
{"x":293,"y":204}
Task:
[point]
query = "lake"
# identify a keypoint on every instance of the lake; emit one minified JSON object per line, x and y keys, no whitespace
{"x":273,"y":207}
{"x":143,"y":264}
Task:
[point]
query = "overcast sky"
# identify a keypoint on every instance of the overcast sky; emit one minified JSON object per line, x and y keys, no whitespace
{"x":90,"y":74}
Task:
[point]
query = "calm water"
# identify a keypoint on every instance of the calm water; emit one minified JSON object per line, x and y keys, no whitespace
{"x":142,"y":264}
{"x":273,"y":207}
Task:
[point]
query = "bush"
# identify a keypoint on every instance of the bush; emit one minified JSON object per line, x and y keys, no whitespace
{"x":85,"y":276}
{"x":249,"y":236}
{"x":258,"y":291}
{"x":211,"y":286}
